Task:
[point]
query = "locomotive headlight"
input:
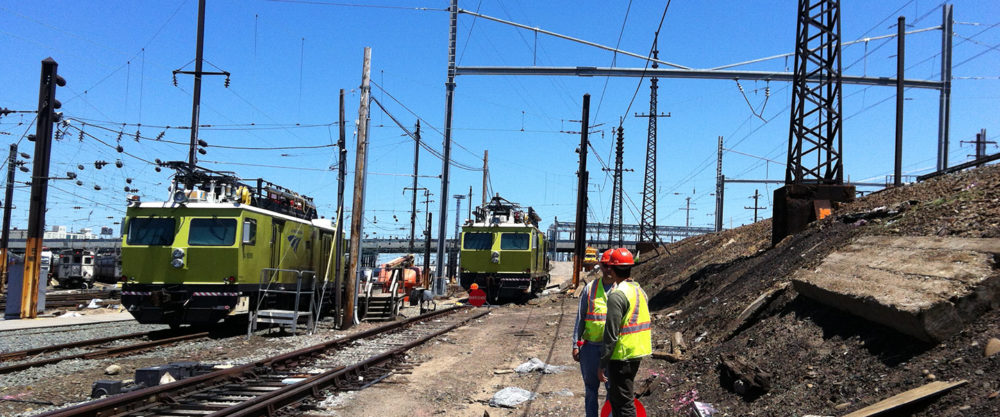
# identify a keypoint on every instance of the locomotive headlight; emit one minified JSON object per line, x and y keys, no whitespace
{"x":178,"y":253}
{"x":177,"y":263}
{"x":180,"y":197}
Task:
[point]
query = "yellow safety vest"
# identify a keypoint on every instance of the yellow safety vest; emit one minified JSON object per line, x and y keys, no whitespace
{"x":635,"y":339}
{"x":597,"y":312}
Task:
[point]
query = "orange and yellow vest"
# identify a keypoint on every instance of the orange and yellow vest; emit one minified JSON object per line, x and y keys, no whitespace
{"x":635,"y":339}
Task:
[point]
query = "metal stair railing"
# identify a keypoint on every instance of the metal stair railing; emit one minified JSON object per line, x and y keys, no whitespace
{"x":289,"y":318}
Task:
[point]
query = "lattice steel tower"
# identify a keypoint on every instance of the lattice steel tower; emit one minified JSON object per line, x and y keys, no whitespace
{"x":647,"y":224}
{"x":615,"y":223}
{"x":814,"y":142}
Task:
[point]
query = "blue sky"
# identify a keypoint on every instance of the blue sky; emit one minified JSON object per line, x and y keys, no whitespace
{"x":289,"y":59}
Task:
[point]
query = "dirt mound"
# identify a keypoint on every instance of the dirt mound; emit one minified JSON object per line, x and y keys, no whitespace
{"x":818,"y":360}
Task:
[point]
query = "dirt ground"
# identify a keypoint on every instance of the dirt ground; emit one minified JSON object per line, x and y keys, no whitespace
{"x":458,"y":374}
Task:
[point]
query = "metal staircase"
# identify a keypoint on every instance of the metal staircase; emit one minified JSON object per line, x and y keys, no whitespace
{"x":283,"y":304}
{"x":382,"y":301}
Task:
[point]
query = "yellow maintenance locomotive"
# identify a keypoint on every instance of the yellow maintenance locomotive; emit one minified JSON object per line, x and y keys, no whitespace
{"x":219,"y":247}
{"x":503,"y":251}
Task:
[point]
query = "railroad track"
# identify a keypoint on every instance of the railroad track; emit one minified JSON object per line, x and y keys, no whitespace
{"x":266,"y":386}
{"x":98,"y":353}
{"x":72,"y":299}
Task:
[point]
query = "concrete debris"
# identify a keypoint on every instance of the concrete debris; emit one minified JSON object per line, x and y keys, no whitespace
{"x":511,"y":397}
{"x":992,"y":347}
{"x":535,"y":364}
{"x":112,"y":370}
{"x":926,"y":287}
{"x":95,"y":303}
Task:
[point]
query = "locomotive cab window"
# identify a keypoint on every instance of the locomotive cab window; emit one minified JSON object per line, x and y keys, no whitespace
{"x":249,"y":231}
{"x":477,"y":241}
{"x":515,"y":241}
{"x":150,"y":231}
{"x":212,"y":232}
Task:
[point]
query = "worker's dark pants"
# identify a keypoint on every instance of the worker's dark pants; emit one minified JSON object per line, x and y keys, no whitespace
{"x":621,"y":381}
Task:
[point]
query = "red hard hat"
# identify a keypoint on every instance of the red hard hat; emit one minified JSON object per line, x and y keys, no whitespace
{"x":621,"y":257}
{"x":606,"y":256}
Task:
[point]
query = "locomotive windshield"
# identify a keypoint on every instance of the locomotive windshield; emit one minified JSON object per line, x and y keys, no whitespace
{"x":212,"y":232}
{"x":150,"y":231}
{"x":478,"y":241}
{"x":515,"y":241}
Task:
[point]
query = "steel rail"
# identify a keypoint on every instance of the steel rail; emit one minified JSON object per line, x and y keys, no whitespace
{"x":20,"y":354}
{"x":266,"y":404}
{"x":102,"y":353}
{"x":150,"y":397}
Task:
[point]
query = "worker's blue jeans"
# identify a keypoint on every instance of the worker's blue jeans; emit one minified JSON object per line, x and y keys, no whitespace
{"x":590,"y":360}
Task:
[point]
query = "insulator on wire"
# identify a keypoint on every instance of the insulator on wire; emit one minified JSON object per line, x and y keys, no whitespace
{"x":160,"y":136}
{"x":202,"y":151}
{"x":80,"y":167}
{"x":120,"y":133}
{"x":175,"y":79}
{"x":119,"y":163}
{"x":137,"y":135}
{"x":157,"y":169}
{"x":120,"y":149}
{"x":227,"y":81}
{"x":128,"y":180}
{"x":158,"y":161}
{"x":78,"y":182}
{"x":81,"y":136}
{"x":24,"y":168}
{"x":97,"y":187}
{"x":59,"y":135}
{"x":25,"y":156}
{"x":100,"y":164}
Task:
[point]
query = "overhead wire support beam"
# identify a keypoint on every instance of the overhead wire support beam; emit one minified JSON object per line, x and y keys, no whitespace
{"x":679,"y":73}
{"x":570,"y":38}
{"x":738,"y":181}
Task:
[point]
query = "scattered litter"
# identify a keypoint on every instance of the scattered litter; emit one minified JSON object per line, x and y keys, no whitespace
{"x":511,"y":397}
{"x":502,"y":371}
{"x":72,"y":314}
{"x":95,"y":303}
{"x":565,"y":392}
{"x":684,"y":400}
{"x":700,"y":409}
{"x":290,"y":381}
{"x":535,"y":364}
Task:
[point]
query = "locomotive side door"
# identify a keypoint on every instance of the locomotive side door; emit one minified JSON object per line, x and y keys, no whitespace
{"x":277,"y":226}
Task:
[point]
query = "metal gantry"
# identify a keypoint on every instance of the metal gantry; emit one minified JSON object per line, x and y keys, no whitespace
{"x":814,"y":142}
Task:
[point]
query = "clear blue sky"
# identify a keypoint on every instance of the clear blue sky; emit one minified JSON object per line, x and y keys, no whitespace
{"x":289,"y":59}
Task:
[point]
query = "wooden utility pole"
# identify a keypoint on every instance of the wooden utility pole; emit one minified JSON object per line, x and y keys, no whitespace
{"x":358,"y":208}
{"x":486,"y":173}
{"x":338,"y":282}
{"x":580,"y":240}
{"x":7,"y":205}
{"x":416,"y":165}
{"x":47,"y":104}
{"x":756,"y":198}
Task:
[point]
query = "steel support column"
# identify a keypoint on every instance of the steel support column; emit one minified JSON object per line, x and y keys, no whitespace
{"x":944,"y":104}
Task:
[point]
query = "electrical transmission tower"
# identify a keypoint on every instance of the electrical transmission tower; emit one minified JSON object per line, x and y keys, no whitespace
{"x":647,"y":224}
{"x":616,"y":192}
{"x":814,"y":174}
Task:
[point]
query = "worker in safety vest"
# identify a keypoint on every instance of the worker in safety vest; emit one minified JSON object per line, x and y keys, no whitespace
{"x":588,"y":332}
{"x":627,"y":334}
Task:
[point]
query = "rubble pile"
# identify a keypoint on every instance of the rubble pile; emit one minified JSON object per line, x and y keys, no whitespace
{"x":899,"y":301}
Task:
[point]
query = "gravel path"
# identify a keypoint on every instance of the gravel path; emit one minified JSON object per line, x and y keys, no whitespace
{"x":15,"y":340}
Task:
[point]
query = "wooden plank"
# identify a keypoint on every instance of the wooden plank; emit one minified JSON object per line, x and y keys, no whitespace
{"x":907,"y":397}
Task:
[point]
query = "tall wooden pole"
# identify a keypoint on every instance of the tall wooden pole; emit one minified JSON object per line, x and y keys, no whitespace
{"x":7,"y":205}
{"x":581,"y":194}
{"x":196,"y":95}
{"x":47,"y":105}
{"x":338,"y":282}
{"x":486,"y":173}
{"x":358,"y":208}
{"x":413,"y":205}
